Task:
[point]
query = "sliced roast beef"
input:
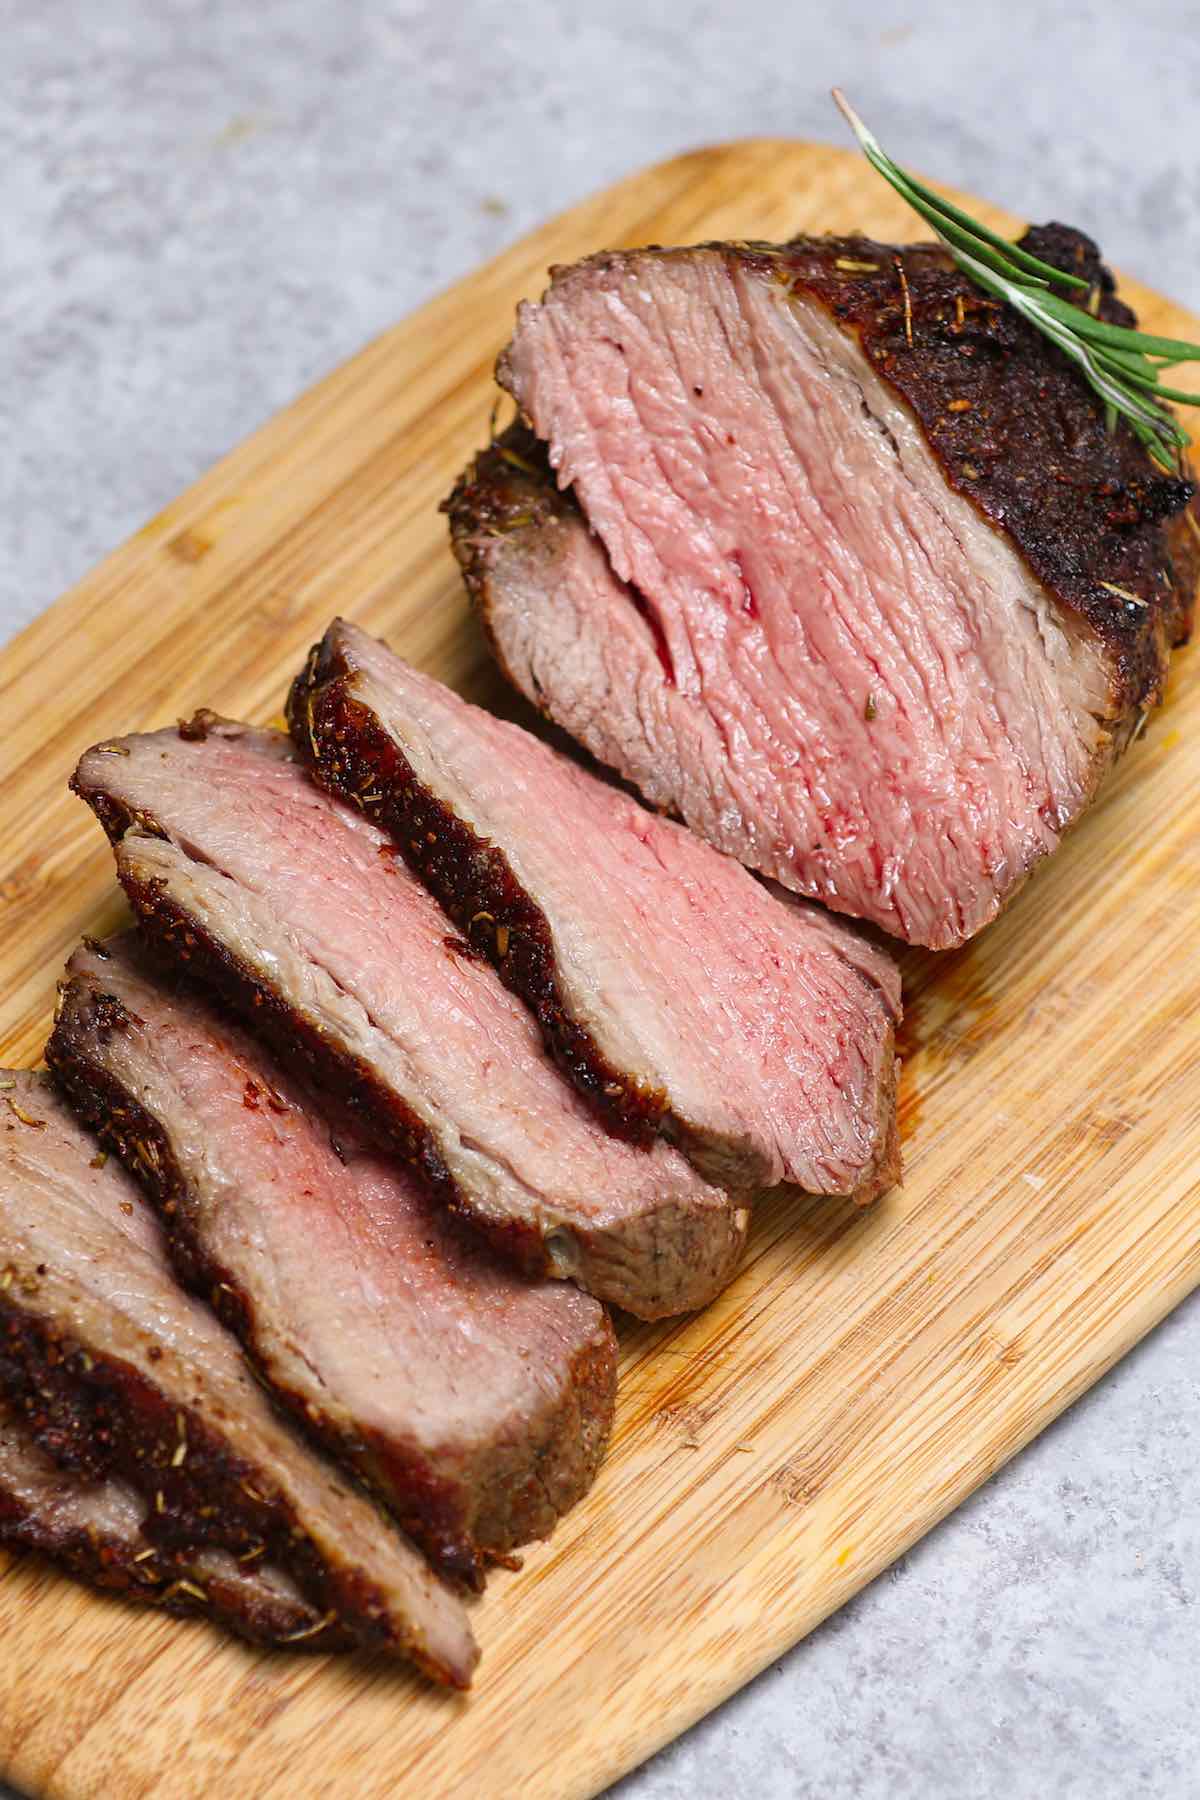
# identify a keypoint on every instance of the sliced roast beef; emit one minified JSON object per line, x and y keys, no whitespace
{"x":674,"y":989}
{"x":93,"y":1527}
{"x":297,"y":908}
{"x":474,"y":1401}
{"x":125,"y":1384}
{"x":874,"y":596}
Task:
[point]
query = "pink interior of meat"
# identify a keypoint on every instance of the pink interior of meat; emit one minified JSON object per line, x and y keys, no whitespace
{"x":755,"y":1019}
{"x":67,"y":1204}
{"x":386,"y":1303}
{"x":105,"y":1208}
{"x":241,"y":804}
{"x":901,"y":725}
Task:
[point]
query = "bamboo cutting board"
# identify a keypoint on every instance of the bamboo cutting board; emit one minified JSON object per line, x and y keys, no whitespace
{"x":865,"y":1372}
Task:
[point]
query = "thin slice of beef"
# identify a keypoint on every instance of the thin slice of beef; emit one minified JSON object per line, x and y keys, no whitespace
{"x":94,"y":1528}
{"x":675,"y":990}
{"x":128,"y":1385}
{"x":875,"y":596}
{"x":297,"y":908}
{"x":475,"y":1402}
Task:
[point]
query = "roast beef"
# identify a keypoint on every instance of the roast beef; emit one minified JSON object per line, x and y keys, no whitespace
{"x":297,"y":908}
{"x":93,"y":1527}
{"x":475,"y":1402}
{"x":678,"y":994}
{"x":124,"y":1383}
{"x":874,"y":596}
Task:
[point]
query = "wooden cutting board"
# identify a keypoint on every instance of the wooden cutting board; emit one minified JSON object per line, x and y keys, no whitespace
{"x":865,"y":1372}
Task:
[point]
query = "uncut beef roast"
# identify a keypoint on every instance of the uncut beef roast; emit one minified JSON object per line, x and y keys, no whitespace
{"x":851,"y":574}
{"x":298,"y":910}
{"x":131,"y":1416}
{"x":681,"y":996}
{"x":474,"y":1401}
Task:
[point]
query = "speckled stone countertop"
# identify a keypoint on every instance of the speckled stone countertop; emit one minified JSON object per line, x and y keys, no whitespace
{"x":206,"y":205}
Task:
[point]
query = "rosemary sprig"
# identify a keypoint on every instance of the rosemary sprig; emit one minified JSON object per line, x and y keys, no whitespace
{"x":1120,"y":365}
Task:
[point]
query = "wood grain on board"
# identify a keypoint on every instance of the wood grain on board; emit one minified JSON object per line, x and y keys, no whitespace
{"x":865,"y":1372}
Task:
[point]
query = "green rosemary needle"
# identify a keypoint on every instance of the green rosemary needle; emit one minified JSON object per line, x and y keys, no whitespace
{"x":1120,"y":365}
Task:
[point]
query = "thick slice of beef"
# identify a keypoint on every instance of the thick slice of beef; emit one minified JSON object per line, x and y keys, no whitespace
{"x":124,"y":1382}
{"x":475,"y":1402}
{"x":676,"y":991}
{"x":882,"y":596}
{"x":93,"y":1527}
{"x":298,"y":909}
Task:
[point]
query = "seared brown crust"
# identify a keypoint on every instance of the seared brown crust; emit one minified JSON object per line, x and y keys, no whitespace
{"x":471,"y":878}
{"x":1081,"y":504}
{"x":1016,"y":429}
{"x":171,"y":1581}
{"x":507,"y":490}
{"x":97,"y":1416}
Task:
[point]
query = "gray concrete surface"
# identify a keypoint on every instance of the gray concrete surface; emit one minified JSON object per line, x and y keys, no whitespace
{"x":204,"y":205}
